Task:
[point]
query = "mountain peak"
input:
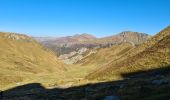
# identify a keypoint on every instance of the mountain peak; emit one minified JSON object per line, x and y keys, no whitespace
{"x":83,"y":37}
{"x":86,"y":35}
{"x":132,"y":33}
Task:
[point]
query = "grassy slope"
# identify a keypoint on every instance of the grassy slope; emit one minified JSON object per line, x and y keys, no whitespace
{"x":153,"y":54}
{"x":76,"y":72}
{"x":21,"y":58}
{"x":115,"y":61}
{"x":105,"y":55}
{"x":112,"y":62}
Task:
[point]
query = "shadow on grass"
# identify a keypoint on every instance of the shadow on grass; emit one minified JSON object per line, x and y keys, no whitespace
{"x":135,"y":86}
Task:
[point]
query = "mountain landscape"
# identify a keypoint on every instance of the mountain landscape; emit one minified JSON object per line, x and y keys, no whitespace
{"x":125,"y":66}
{"x":85,"y":50}
{"x":71,"y":49}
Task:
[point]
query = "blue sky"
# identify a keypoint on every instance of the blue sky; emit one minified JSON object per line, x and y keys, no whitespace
{"x":97,"y":17}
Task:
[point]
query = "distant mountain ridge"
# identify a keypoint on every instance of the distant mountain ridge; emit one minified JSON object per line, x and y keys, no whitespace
{"x":68,"y":47}
{"x":65,"y":45}
{"x":42,"y":39}
{"x":66,"y":39}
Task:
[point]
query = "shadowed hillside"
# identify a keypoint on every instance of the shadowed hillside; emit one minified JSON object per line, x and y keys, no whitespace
{"x":150,"y":85}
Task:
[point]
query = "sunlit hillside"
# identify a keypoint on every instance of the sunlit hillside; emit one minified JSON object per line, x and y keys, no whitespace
{"x":155,"y":53}
{"x":106,"y":55}
{"x":21,"y":57}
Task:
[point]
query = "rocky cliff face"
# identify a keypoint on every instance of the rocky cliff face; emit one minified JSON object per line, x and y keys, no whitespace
{"x":133,"y":37}
{"x":17,"y":37}
{"x":75,"y":56}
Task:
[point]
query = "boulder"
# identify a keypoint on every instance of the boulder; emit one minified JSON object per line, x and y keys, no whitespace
{"x":159,"y":82}
{"x":113,"y":97}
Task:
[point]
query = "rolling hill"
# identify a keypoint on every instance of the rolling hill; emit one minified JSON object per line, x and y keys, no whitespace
{"x":22,"y":57}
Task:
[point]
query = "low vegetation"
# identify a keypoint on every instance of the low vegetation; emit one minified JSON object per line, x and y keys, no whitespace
{"x":127,"y":71}
{"x":152,"y":54}
{"x":22,"y":57}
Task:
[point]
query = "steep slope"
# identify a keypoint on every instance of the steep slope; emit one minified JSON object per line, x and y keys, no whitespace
{"x":155,"y":53}
{"x":21,"y":57}
{"x":106,"y":55}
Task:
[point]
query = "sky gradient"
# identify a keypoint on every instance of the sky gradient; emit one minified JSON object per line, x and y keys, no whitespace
{"x":98,"y":17}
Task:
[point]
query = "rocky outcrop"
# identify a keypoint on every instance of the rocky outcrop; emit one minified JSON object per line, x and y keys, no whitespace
{"x":76,"y":56}
{"x":17,"y":37}
{"x":133,"y":37}
{"x":111,"y":98}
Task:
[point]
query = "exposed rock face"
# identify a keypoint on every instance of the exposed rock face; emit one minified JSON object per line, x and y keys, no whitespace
{"x":18,"y":37}
{"x":76,"y":56}
{"x":133,"y":37}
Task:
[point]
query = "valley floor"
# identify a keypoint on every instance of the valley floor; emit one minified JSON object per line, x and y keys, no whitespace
{"x":148,"y":85}
{"x":140,"y":73}
{"x":73,"y":76}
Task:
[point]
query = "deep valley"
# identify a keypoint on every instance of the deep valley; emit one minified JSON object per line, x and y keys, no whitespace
{"x":126,"y":66}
